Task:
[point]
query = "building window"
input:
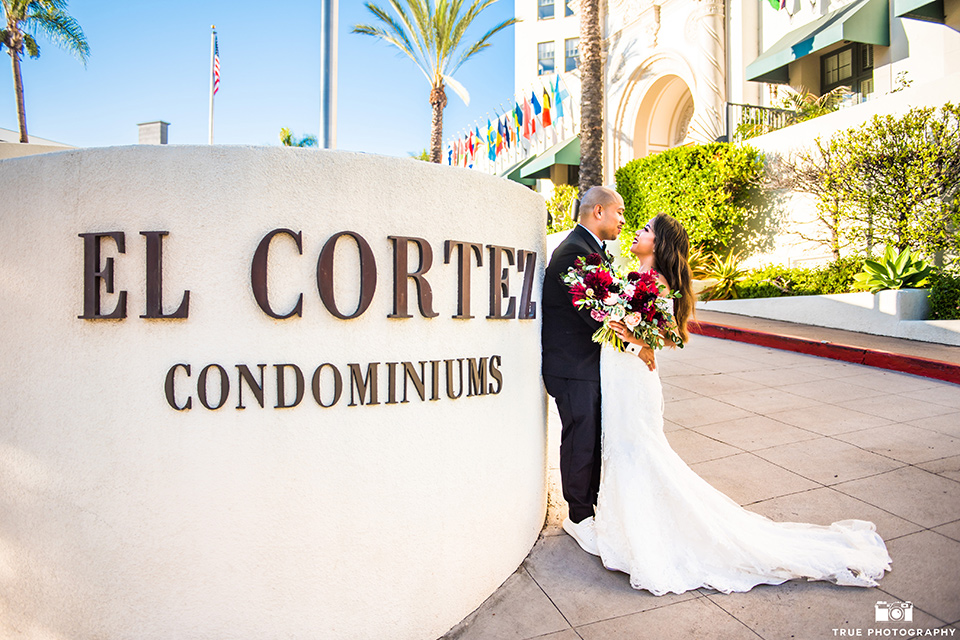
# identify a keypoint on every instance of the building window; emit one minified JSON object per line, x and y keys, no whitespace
{"x":545,"y":58}
{"x":571,"y":53}
{"x":545,"y":11}
{"x":568,"y":10}
{"x":851,"y":66}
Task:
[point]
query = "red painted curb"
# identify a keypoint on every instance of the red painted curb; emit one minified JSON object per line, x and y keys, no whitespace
{"x":947,"y":371}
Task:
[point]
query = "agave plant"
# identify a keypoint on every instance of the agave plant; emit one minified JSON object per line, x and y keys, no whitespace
{"x":806,"y":106}
{"x":727,"y":272}
{"x":895,"y":270}
{"x":697,"y":258}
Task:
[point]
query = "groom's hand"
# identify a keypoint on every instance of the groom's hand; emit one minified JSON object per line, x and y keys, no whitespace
{"x":646,"y":353}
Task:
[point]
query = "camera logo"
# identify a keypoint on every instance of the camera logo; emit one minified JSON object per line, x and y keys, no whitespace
{"x":893,"y":611}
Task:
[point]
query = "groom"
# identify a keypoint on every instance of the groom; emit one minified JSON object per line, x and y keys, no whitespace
{"x":571,"y":362}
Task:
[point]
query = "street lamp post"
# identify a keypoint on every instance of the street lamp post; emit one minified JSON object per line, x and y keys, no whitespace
{"x":328,"y":74}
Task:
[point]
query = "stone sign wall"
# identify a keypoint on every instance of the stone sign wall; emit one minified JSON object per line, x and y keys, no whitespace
{"x":264,"y":393}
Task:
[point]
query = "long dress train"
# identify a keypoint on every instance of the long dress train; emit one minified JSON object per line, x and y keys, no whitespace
{"x":672,"y":531}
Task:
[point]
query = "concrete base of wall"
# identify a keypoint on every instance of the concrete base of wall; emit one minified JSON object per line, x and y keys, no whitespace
{"x":18,"y":150}
{"x":899,"y":314}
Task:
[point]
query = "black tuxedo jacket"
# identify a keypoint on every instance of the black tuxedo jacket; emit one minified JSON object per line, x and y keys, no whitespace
{"x":568,"y":348}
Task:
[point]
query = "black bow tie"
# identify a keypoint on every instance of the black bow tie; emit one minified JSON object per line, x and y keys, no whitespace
{"x":604,"y":253}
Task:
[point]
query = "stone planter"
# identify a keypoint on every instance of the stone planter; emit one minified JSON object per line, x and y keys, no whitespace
{"x":899,"y":313}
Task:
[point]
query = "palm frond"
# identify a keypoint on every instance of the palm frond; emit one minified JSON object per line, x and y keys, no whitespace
{"x":389,"y":38}
{"x":63,"y":29}
{"x":458,"y":89}
{"x":30,"y":44}
{"x":482,"y":43}
{"x":420,"y":25}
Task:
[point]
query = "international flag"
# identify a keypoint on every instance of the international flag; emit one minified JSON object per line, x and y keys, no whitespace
{"x":491,"y":141}
{"x":546,"y":108}
{"x":561,"y":96}
{"x":216,"y":66}
{"x":499,"y":136}
{"x":536,"y":111}
{"x":527,"y":119}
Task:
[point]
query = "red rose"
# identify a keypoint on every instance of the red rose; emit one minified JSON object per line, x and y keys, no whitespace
{"x":633,"y":276}
{"x":594,"y":259}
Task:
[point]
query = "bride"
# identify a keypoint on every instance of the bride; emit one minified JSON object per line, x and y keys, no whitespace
{"x":668,"y":528}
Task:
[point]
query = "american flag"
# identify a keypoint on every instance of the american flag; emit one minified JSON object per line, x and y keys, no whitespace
{"x":216,"y":65}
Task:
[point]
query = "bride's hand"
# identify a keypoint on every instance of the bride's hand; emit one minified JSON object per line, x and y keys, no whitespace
{"x":623,"y":333}
{"x":646,"y":353}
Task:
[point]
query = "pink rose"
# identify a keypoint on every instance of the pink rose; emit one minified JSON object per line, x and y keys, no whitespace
{"x":598,"y":315}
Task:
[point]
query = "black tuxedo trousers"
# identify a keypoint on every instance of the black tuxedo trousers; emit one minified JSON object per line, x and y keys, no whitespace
{"x":571,"y":374}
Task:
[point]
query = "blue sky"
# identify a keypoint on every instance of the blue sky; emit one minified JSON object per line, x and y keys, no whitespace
{"x":150,"y":61}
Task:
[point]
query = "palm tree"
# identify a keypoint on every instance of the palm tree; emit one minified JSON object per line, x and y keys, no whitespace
{"x":591,"y":96}
{"x":431,"y":33}
{"x":287,"y":139}
{"x":24,"y":18}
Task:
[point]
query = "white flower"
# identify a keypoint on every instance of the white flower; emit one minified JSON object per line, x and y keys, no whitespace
{"x":629,"y":290}
{"x":588,"y":293}
{"x":611,"y":299}
{"x":631,"y":320}
{"x":618,"y":312}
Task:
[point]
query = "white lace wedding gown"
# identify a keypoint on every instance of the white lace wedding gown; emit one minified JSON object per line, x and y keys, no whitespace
{"x":671,"y":531}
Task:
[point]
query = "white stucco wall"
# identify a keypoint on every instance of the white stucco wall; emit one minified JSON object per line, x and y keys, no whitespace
{"x":530,"y":31}
{"x":121,"y":517}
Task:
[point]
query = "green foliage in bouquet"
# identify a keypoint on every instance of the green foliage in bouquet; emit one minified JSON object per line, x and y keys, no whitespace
{"x":895,"y":270}
{"x":709,"y":188}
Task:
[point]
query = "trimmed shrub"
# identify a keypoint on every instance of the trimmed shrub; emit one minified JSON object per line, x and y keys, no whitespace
{"x":706,"y":187}
{"x":777,"y":280}
{"x":945,"y":296}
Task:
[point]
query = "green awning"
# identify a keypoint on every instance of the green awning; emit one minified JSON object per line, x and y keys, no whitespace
{"x":513,"y":173}
{"x":566,"y":152}
{"x":866,"y":21}
{"x":929,"y":10}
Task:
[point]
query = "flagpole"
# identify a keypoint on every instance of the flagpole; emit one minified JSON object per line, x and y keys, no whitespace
{"x":328,"y":74}
{"x":213,"y":37}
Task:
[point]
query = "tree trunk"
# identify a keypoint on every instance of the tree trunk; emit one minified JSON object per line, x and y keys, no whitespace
{"x":438,"y":100}
{"x":18,"y":89}
{"x":591,"y":97}
{"x":834,"y":228}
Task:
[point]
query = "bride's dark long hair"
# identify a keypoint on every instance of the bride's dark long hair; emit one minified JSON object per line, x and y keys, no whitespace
{"x":671,"y":248}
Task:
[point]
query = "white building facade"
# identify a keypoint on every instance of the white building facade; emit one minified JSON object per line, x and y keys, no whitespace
{"x":677,"y":71}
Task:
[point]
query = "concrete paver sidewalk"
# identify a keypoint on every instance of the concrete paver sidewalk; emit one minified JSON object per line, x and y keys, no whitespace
{"x":795,"y":438}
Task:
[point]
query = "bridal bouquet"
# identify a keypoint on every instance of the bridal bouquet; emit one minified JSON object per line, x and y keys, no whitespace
{"x":634,"y":299}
